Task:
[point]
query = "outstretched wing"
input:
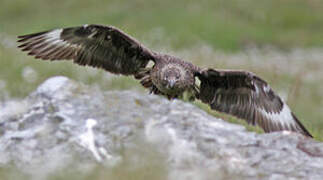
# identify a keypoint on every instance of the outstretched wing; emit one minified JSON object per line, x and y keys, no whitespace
{"x":246,"y":96}
{"x":94,"y":45}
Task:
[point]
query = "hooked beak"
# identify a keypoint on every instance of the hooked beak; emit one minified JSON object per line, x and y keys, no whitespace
{"x":171,"y":83}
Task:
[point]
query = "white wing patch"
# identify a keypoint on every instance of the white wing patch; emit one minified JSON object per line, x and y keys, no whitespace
{"x":49,"y":45}
{"x":55,"y":34}
{"x":267,"y":89}
{"x":257,"y":89}
{"x":54,"y":37}
{"x":284,"y":117}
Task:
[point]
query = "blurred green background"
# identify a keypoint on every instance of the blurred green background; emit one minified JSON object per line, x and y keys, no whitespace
{"x":280,"y":40}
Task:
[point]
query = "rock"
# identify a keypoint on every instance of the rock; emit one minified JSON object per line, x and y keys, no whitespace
{"x":67,"y":130}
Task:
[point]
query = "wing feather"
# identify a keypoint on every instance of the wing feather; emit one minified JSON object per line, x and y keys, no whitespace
{"x":93,"y":45}
{"x":247,"y":96}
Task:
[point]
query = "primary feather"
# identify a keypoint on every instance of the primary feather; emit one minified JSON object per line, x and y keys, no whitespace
{"x":247,"y":96}
{"x":93,"y":45}
{"x":238,"y":93}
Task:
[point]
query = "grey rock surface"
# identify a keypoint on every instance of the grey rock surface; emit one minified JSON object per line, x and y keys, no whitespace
{"x":68,"y":130}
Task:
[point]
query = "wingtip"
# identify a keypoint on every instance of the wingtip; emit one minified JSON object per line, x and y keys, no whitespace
{"x":21,"y":46}
{"x":22,"y":38}
{"x":304,"y":130}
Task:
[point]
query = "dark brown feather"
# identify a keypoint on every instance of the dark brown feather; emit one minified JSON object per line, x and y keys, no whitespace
{"x":94,"y":45}
{"x":246,"y":96}
{"x":238,"y":93}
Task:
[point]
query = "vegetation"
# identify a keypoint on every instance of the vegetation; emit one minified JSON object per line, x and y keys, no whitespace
{"x":196,"y":30}
{"x":232,"y":34}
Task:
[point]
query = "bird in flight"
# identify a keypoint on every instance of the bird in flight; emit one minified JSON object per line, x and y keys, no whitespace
{"x":238,"y":93}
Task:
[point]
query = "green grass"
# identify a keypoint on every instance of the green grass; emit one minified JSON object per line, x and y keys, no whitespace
{"x":225,"y":25}
{"x":182,"y":27}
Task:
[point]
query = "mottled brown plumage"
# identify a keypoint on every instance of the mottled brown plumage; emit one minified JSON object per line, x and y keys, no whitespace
{"x":238,"y":93}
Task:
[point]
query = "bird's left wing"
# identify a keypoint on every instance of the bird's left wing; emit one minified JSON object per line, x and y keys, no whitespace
{"x":94,"y":45}
{"x":247,"y":96}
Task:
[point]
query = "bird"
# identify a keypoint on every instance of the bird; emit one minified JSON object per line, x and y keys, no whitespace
{"x":235,"y":92}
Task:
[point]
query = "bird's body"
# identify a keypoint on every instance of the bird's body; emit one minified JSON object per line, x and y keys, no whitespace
{"x":172,"y":76}
{"x":239,"y":93}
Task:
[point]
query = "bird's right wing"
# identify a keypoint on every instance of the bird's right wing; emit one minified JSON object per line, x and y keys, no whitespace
{"x":93,"y":45}
{"x":247,"y":96}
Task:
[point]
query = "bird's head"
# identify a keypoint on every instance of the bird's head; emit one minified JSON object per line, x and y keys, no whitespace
{"x":172,"y":77}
